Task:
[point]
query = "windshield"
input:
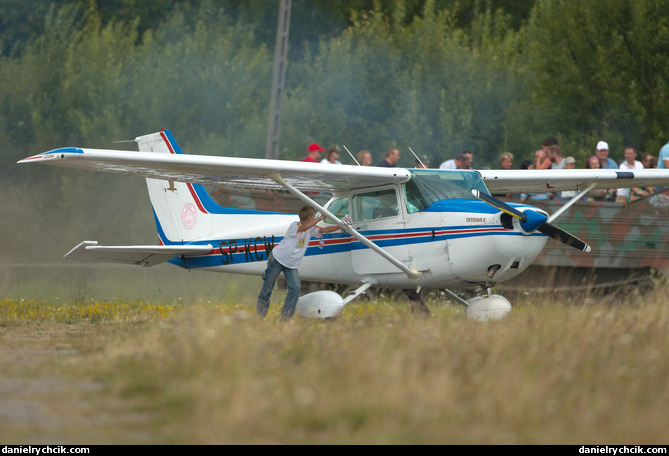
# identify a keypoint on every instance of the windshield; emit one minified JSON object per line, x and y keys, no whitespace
{"x":426,"y":187}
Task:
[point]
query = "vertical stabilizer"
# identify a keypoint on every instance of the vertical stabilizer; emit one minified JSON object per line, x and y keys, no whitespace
{"x":182,"y":211}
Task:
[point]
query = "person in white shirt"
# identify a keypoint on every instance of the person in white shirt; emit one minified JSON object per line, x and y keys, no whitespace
{"x":332,"y":156}
{"x":623,"y":194}
{"x":463,"y":161}
{"x":286,"y":257}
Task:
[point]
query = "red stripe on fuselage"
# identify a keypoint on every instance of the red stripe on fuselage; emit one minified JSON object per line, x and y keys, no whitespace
{"x":260,"y":247}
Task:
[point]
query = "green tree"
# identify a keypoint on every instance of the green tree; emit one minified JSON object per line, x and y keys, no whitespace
{"x":596,"y":71}
{"x":425,"y":85}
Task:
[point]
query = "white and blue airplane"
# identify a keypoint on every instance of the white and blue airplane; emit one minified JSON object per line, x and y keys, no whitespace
{"x":400,"y":228}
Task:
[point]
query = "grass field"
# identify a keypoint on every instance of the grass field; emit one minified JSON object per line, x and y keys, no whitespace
{"x":189,"y":366}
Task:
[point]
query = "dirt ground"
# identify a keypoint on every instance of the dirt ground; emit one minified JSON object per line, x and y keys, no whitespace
{"x":44,"y":401}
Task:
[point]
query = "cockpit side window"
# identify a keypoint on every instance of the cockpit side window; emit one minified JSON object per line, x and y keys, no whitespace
{"x":339,"y":208}
{"x":374,"y":205}
{"x":414,"y":198}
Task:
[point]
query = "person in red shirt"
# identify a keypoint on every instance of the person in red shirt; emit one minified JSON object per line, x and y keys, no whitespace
{"x":313,"y":153}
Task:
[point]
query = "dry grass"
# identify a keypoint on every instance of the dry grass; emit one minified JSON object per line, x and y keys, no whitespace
{"x":553,"y":372}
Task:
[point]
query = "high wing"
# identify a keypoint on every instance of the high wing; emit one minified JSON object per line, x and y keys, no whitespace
{"x":229,"y":171}
{"x":315,"y":177}
{"x":528,"y":181}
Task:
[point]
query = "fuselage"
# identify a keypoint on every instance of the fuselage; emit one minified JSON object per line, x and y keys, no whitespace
{"x":430,"y":223}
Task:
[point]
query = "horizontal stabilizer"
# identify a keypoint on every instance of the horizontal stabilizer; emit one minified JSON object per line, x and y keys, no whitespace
{"x":144,"y":255}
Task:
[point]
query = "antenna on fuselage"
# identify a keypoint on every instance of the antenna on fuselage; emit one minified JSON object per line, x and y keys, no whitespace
{"x":417,"y":159}
{"x":349,"y":152}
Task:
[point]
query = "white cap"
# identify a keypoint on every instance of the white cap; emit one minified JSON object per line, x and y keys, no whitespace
{"x":601,"y":145}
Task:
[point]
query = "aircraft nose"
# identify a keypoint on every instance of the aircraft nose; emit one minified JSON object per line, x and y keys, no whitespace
{"x":534,"y":220}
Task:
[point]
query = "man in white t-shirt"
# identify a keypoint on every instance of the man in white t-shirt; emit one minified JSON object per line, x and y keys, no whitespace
{"x":462,"y":161}
{"x":286,"y":257}
{"x":623,"y":194}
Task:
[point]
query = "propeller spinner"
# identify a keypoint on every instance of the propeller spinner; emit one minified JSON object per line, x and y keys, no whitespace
{"x":532,"y":220}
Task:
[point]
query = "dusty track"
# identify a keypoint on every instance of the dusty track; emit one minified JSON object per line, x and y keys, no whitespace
{"x":44,"y":400}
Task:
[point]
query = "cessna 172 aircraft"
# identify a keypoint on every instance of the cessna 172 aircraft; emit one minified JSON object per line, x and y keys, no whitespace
{"x":400,"y":228}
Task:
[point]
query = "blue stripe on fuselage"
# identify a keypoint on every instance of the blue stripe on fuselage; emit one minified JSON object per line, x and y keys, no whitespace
{"x":252,"y":250}
{"x":240,"y":251}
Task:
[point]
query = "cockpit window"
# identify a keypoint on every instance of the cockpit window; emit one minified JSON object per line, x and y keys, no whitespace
{"x":374,"y":205}
{"x":426,"y":187}
{"x":338,"y":208}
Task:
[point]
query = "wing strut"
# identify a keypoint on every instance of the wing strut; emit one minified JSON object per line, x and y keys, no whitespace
{"x":412,"y":274}
{"x":570,"y":203}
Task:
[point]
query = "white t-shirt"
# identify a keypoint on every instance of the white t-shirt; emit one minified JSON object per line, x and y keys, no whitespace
{"x":558,"y":165}
{"x":624,"y":165}
{"x":326,"y":162}
{"x":293,"y":246}
{"x":448,"y":164}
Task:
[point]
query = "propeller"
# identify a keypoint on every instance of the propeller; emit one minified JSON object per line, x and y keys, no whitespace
{"x":532,"y":220}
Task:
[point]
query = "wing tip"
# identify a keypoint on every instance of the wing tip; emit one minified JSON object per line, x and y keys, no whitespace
{"x":56,"y":153}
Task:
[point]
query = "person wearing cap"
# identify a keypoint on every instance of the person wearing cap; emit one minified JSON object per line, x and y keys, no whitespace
{"x":602,"y":153}
{"x":625,"y":194}
{"x":422,"y":162}
{"x":313,"y":153}
{"x":392,"y":157}
{"x":332,"y":156}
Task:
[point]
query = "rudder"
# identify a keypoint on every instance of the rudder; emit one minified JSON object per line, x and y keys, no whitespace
{"x":180,"y":209}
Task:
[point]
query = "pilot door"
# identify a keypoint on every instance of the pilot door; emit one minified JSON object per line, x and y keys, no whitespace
{"x":377,"y":215}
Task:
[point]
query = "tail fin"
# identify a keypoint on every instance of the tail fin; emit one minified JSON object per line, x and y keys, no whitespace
{"x":183,"y":212}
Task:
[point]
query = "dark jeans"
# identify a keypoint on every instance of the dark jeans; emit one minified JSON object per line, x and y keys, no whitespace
{"x":274,"y":268}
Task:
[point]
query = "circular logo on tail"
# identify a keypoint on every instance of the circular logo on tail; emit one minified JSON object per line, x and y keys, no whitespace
{"x":188,"y":216}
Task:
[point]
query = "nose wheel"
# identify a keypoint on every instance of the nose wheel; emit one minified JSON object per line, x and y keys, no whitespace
{"x":488,"y":306}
